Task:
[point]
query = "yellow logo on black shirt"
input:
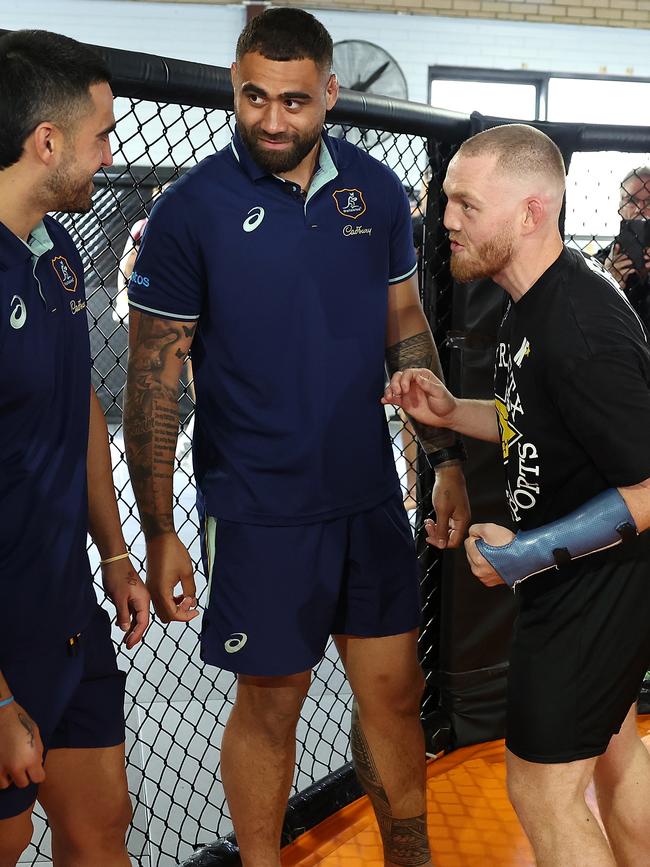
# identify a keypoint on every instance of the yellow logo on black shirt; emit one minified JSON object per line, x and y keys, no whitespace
{"x":509,"y":433}
{"x":64,"y":272}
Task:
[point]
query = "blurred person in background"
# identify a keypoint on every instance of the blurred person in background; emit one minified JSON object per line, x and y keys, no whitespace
{"x":627,"y":258}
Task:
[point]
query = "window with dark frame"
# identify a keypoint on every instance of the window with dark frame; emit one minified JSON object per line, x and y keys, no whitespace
{"x":528,"y":95}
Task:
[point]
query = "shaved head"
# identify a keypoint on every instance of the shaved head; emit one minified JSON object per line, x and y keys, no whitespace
{"x":521,"y":152}
{"x":504,"y":190}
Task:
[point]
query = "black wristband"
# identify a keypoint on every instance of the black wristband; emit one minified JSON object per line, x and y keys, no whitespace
{"x":451,"y":453}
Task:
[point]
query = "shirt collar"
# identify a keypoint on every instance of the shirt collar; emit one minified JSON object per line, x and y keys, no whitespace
{"x":39,"y":241}
{"x":14,"y":250}
{"x":327,"y":163}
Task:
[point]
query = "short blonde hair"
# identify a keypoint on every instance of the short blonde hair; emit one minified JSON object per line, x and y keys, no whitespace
{"x":520,"y":150}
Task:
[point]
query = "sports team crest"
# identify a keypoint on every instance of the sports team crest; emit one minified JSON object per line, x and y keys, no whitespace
{"x":349,"y":203}
{"x":65,"y":273}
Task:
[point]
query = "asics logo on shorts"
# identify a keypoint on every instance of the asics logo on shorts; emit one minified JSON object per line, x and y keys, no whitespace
{"x":19,"y":312}
{"x":253,"y":220}
{"x":236,"y":641}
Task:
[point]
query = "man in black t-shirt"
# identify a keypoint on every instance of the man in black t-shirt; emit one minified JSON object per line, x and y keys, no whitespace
{"x":572,"y":399}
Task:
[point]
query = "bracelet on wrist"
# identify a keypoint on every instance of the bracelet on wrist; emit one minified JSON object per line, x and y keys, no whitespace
{"x":107,"y":560}
{"x":450,"y":453}
{"x":7,"y":701}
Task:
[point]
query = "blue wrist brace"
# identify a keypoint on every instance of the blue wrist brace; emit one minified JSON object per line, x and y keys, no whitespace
{"x":602,"y":522}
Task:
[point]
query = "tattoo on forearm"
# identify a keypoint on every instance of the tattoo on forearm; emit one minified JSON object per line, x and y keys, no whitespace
{"x":151,"y":419}
{"x":405,"y":840}
{"x":420,"y":351}
{"x":28,"y":725}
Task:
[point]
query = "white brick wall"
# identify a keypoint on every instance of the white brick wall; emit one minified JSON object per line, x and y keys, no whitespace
{"x":208,"y":33}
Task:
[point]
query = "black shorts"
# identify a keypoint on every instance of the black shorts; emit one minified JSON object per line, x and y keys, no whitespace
{"x":76,"y":699}
{"x":580,"y":649}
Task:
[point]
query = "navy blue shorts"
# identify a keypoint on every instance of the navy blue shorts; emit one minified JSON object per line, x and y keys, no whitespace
{"x":76,"y":699}
{"x":276,"y":594}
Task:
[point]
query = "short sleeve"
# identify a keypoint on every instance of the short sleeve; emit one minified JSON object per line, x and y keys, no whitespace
{"x":403,"y":261}
{"x":167,"y":279}
{"x":605,"y":403}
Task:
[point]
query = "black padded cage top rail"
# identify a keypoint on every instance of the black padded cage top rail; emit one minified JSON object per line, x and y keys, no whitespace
{"x":170,"y":113}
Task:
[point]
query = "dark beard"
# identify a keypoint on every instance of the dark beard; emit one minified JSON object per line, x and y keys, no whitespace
{"x":276,"y":163}
{"x":68,"y":195}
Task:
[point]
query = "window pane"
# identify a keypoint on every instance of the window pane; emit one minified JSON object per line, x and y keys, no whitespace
{"x":593,"y":196}
{"x":497,"y":98}
{"x":584,"y":100}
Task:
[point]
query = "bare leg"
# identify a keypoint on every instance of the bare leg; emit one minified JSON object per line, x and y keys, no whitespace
{"x":550,"y":802}
{"x":388,"y":742}
{"x":15,"y":834}
{"x":258,"y":755}
{"x":622,"y":779}
{"x":86,"y":799}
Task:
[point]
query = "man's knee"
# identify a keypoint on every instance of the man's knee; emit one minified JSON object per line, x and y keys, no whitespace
{"x":272,"y":705}
{"x":544,"y":792}
{"x":387,"y":694}
{"x":95,"y":833}
{"x":15,"y":835}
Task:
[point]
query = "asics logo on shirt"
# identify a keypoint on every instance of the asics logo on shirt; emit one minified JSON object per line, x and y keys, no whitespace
{"x":236,"y":641}
{"x":253,"y":220}
{"x":18,"y":313}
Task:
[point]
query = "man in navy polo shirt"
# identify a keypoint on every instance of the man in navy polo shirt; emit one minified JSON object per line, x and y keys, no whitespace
{"x":61,"y":693}
{"x":286,"y":263}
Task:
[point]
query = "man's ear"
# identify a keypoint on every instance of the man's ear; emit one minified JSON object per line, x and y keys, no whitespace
{"x":46,"y":142}
{"x":533,"y":215}
{"x":332,"y":91}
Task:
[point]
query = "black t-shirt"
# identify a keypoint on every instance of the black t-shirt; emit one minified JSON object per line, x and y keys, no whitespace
{"x":572,"y":390}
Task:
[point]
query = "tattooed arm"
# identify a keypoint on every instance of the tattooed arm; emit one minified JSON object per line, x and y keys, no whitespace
{"x":157,"y":350}
{"x":21,"y":748}
{"x":121,"y":582}
{"x":409,"y":343}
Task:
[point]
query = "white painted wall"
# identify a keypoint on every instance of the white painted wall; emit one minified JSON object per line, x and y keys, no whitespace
{"x":198,"y":32}
{"x":208,"y":34}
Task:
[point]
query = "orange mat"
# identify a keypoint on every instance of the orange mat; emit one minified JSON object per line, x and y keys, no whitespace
{"x":471,"y":822}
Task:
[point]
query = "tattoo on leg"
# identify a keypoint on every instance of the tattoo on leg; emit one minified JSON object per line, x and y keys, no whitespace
{"x":405,"y":840}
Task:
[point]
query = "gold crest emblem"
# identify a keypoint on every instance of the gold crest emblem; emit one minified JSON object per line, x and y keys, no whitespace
{"x":64,"y":272}
{"x":349,"y":203}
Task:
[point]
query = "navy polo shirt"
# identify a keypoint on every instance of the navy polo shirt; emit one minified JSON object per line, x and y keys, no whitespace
{"x":46,"y":581}
{"x":290,"y":294}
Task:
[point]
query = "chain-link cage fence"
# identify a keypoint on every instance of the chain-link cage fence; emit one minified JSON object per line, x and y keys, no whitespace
{"x":608,"y":217}
{"x":176,"y":707}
